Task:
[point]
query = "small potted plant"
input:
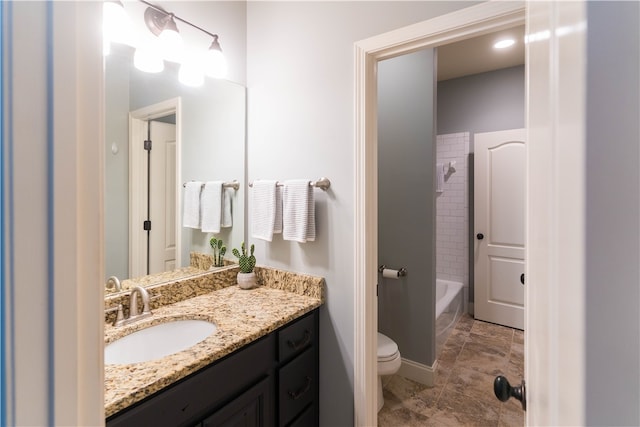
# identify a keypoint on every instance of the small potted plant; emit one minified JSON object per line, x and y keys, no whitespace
{"x":246,"y":275}
{"x":218,"y":251}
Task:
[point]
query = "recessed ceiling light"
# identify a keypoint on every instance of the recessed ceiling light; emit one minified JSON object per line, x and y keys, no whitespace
{"x":502,"y":44}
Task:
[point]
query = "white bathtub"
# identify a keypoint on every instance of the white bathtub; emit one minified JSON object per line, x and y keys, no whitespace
{"x":449,"y":308}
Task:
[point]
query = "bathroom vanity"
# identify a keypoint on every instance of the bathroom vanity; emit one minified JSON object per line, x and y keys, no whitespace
{"x":260,"y":367}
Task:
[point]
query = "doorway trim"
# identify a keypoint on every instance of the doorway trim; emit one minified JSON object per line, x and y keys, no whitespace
{"x":462,"y":24}
{"x":137,"y":160}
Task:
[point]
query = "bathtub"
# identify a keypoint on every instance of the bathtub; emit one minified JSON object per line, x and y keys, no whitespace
{"x":449,"y":308}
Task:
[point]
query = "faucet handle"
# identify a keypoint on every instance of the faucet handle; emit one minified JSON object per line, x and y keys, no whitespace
{"x":119,"y":315}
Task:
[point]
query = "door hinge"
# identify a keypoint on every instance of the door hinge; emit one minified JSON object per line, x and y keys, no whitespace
{"x":146,"y":225}
{"x":147,"y":144}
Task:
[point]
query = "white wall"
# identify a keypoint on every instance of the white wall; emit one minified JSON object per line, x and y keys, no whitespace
{"x":300,"y":62}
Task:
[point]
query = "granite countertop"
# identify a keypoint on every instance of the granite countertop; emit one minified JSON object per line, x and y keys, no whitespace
{"x":242,"y":316}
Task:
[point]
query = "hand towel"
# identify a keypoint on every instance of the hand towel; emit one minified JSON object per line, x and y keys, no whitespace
{"x":211,"y":207}
{"x":263,"y":209}
{"x":439,"y":177}
{"x":277,"y":224}
{"x":227,"y":214}
{"x":191,"y":204}
{"x":298,"y":211}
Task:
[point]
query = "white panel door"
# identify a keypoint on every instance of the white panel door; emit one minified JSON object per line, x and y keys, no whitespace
{"x":162,"y":213}
{"x":499,"y":227}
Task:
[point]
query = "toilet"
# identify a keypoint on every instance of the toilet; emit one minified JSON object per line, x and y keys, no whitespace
{"x":388,"y":362}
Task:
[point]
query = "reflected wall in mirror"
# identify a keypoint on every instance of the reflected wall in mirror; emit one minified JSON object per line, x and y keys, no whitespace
{"x":209,"y":146}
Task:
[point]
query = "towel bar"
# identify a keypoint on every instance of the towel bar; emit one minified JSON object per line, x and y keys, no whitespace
{"x":323,"y":183}
{"x":233,"y":184}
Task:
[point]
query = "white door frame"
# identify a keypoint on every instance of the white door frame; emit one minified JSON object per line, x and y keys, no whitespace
{"x":555,"y":122}
{"x":137,"y":159}
{"x":462,"y":24}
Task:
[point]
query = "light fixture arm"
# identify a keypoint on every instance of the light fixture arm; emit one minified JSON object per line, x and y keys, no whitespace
{"x":155,"y":17}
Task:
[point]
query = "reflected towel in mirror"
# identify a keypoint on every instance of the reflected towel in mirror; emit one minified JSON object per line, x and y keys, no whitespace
{"x":191,"y":204}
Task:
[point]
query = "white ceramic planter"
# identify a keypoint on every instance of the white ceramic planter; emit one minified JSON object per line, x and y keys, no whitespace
{"x":247,"y":280}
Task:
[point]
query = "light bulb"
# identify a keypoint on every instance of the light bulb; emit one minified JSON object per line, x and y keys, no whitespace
{"x":116,"y":24}
{"x":191,"y":72}
{"x":503,"y":44}
{"x":147,"y":59}
{"x":215,"y":63}
{"x":170,"y":38}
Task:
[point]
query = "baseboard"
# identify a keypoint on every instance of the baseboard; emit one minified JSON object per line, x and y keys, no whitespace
{"x":418,"y":372}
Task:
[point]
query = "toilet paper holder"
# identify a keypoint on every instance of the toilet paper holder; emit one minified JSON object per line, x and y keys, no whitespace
{"x":400,"y":273}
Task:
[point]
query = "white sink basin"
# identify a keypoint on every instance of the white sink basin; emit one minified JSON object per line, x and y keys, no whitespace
{"x":157,"y":341}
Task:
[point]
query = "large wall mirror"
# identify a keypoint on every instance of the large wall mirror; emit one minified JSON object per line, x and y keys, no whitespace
{"x":199,"y":135}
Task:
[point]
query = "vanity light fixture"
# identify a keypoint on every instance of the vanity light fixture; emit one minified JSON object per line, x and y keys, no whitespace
{"x":504,"y":43}
{"x":161,"y":22}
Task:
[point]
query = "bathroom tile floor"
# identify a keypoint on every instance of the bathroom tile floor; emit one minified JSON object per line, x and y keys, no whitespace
{"x":473,"y":355}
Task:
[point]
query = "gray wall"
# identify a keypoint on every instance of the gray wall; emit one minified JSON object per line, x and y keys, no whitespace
{"x":612,"y":220}
{"x":484,"y":102}
{"x":300,"y":102}
{"x":406,"y":202}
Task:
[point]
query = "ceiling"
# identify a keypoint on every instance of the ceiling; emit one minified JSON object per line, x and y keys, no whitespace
{"x":477,"y":55}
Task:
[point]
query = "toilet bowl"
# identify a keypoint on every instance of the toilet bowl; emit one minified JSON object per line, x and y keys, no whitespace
{"x":388,"y":362}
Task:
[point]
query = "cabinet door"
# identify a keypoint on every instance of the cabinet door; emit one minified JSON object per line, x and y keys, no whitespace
{"x":297,"y":386}
{"x":251,"y":409}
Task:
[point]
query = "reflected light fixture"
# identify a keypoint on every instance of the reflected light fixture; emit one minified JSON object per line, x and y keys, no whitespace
{"x":215,"y":64}
{"x":504,"y":43}
{"x":116,"y":25}
{"x":191,"y":71}
{"x":147,"y":58}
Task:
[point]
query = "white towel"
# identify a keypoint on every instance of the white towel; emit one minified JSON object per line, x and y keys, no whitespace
{"x":191,"y":204}
{"x":211,"y":207}
{"x":439,"y":177}
{"x":298,"y":211}
{"x":227,"y":214}
{"x":263,"y":209}
{"x":277,"y":224}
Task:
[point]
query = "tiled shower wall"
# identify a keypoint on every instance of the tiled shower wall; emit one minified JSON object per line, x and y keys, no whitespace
{"x":452,"y":210}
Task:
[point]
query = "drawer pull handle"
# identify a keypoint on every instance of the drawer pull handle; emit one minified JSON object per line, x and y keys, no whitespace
{"x":295,"y":395}
{"x":302,"y":343}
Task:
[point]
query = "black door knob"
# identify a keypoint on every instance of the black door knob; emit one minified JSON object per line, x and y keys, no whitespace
{"x":504,"y":391}
{"x":522,"y":278}
{"x":480,"y":236}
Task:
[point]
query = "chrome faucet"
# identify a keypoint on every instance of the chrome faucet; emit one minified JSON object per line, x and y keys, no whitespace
{"x":134,"y":313}
{"x":114,"y":282}
{"x":133,"y":303}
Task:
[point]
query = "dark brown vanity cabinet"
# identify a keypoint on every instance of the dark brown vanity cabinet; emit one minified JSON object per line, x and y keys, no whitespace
{"x":270,"y":382}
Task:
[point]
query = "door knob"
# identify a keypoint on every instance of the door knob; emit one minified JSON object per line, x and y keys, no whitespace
{"x":522,"y":278}
{"x":480,"y":236}
{"x":504,"y":391}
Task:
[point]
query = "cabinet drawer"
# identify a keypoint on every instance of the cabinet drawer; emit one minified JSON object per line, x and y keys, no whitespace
{"x":298,"y":386}
{"x":296,"y":337}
